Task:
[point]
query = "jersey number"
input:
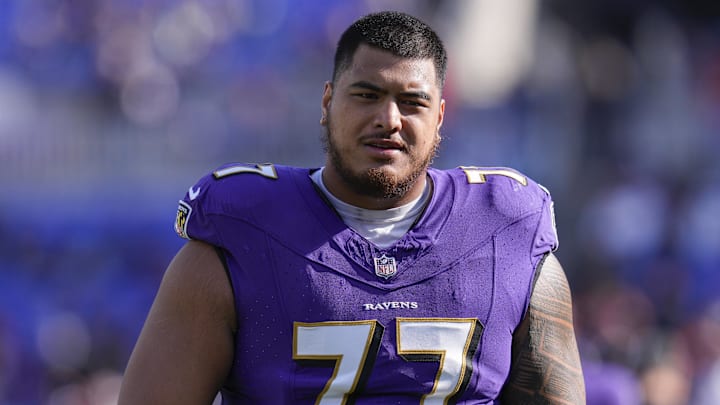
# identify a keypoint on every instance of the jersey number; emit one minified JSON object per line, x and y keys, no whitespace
{"x":479,"y":174}
{"x":264,"y":169}
{"x":353,"y":346}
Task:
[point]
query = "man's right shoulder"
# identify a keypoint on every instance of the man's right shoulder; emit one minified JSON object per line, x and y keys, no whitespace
{"x":233,"y":190}
{"x":238,"y":183}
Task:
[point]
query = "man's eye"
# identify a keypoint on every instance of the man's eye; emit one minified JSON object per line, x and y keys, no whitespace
{"x":370,"y":96}
{"x":414,"y":103}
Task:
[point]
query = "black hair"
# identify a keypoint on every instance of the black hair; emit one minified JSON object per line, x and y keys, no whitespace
{"x":396,"y":32}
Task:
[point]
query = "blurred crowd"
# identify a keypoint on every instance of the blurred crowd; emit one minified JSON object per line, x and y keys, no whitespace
{"x":110,"y":109}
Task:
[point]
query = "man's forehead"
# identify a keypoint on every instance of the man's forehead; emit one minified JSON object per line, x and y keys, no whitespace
{"x":383,"y":68}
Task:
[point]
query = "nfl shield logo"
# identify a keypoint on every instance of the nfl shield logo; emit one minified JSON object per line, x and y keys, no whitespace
{"x":385,"y":267}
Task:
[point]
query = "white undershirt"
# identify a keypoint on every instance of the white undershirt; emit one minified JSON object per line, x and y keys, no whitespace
{"x":381,"y":227}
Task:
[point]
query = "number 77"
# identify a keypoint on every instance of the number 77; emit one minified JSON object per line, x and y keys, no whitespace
{"x":353,"y":346}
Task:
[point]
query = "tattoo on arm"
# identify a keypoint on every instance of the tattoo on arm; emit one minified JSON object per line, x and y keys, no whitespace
{"x":546,"y":364}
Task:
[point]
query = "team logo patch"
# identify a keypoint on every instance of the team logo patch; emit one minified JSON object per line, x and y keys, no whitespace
{"x":385,"y":267}
{"x":181,"y":219}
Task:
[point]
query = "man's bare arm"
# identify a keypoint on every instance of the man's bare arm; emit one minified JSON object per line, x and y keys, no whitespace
{"x":546,"y":364}
{"x":185,"y":349}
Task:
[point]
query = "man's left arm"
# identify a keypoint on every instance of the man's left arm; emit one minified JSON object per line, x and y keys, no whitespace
{"x":546,"y":365}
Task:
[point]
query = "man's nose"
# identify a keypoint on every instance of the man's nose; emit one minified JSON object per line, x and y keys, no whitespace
{"x":389,"y":117}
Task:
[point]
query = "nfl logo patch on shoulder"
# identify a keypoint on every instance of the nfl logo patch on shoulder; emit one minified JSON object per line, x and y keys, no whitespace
{"x":385,"y":267}
{"x":181,"y":219}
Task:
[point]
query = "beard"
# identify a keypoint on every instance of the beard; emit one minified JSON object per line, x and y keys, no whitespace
{"x":377,"y":182}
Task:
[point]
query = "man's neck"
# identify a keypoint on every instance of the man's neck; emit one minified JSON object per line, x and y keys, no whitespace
{"x":381,"y":227}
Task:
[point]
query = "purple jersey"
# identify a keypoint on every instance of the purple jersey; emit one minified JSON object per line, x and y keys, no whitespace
{"x":326,"y":317}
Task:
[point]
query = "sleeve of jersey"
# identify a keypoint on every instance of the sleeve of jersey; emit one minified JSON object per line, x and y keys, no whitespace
{"x":546,"y":239}
{"x":194,"y":218}
{"x":523,"y":245}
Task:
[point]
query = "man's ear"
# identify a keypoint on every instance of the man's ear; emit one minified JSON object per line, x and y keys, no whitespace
{"x":325,"y":103}
{"x":441,"y":114}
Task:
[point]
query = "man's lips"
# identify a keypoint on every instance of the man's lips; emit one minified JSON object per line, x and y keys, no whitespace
{"x":383,"y":150}
{"x":384,"y":143}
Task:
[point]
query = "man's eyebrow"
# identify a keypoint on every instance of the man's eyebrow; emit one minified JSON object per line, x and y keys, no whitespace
{"x":367,"y":85}
{"x":412,"y":94}
{"x":416,"y":94}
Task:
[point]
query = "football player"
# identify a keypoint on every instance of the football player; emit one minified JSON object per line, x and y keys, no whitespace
{"x":374,"y":279}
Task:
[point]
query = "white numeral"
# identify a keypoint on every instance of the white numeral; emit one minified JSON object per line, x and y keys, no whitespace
{"x":478,"y":174}
{"x":449,"y":341}
{"x":347,"y":343}
{"x":266,"y":169}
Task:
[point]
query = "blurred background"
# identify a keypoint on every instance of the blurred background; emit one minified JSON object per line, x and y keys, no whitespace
{"x":111,"y":109}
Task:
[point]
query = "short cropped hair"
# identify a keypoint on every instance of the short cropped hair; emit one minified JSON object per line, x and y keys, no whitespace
{"x":398,"y":33}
